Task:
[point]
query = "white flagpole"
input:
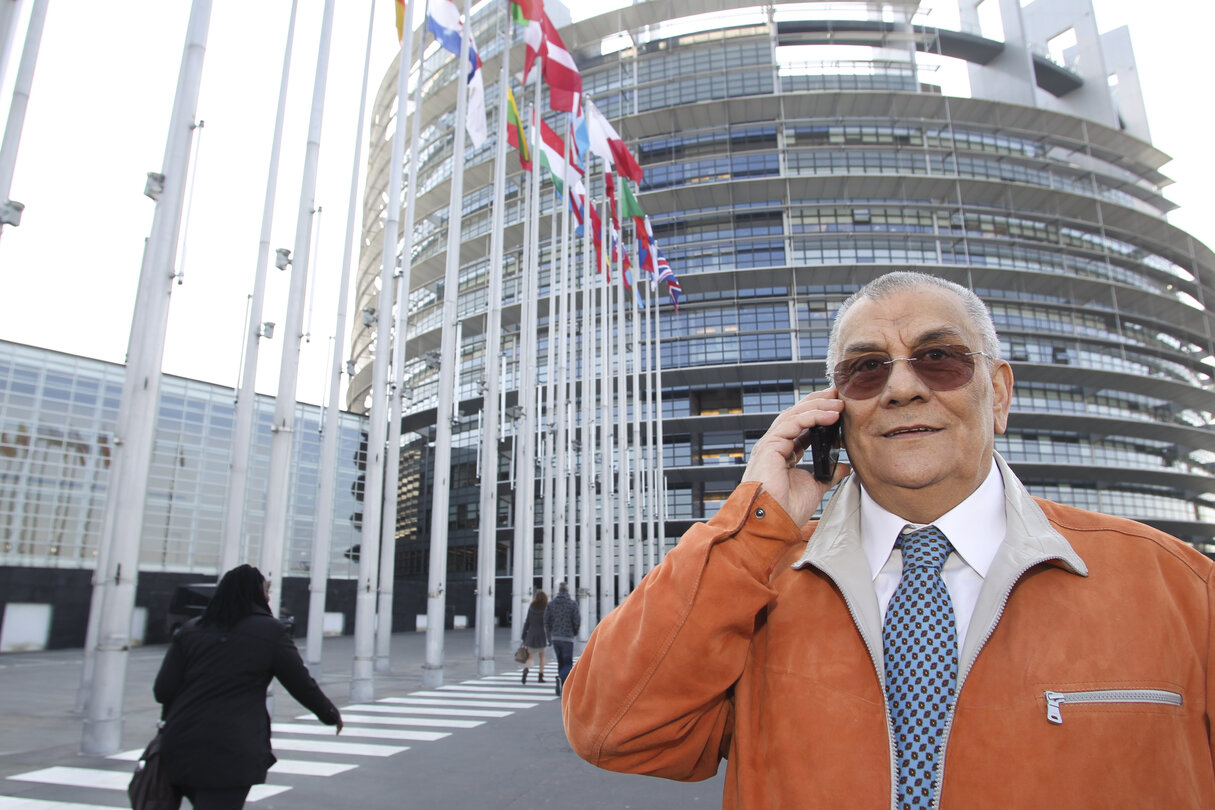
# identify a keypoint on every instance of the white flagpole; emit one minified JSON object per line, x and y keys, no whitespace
{"x":565,"y":400}
{"x":561,"y":494}
{"x":651,"y":462}
{"x":436,"y":594}
{"x":638,"y":406}
{"x":388,"y":519}
{"x":283,"y":429}
{"x":10,"y":211}
{"x":242,"y":432}
{"x":8,"y":16}
{"x":322,"y":531}
{"x":548,"y":421}
{"x":619,"y":428}
{"x":660,"y":488}
{"x":487,"y":532}
{"x":607,"y":554}
{"x":525,"y":434}
{"x":586,"y":593}
{"x":362,"y":680}
{"x":136,"y":427}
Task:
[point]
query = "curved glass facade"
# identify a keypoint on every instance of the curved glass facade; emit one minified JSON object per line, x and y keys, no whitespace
{"x":780,"y":175}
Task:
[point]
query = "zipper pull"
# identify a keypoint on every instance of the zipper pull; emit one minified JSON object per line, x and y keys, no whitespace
{"x":1053,"y":701}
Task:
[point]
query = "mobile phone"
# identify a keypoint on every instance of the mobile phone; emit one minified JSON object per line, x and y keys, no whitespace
{"x":825,"y":450}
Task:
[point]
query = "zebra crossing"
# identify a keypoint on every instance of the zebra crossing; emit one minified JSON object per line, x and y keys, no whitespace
{"x":384,"y":728}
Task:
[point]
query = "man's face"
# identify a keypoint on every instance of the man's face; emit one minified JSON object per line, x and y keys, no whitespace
{"x":921,"y":452}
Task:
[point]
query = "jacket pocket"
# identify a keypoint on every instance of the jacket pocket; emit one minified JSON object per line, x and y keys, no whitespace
{"x":1055,"y":700}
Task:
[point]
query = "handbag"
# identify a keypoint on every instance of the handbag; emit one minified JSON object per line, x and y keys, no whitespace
{"x":521,"y":654}
{"x":150,"y":788}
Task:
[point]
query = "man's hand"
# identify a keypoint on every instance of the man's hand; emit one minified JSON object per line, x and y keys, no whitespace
{"x":775,"y":457}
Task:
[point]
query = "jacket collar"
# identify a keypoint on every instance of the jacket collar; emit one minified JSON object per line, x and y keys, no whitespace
{"x":1029,"y":541}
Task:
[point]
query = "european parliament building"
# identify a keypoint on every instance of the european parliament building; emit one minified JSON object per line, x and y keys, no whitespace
{"x":792,"y":152}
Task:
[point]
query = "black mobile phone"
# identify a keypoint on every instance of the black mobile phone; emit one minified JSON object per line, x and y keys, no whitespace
{"x":825,"y":450}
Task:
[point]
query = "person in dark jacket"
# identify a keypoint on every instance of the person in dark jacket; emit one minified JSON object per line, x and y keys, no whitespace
{"x":561,"y":622}
{"x":216,"y":740}
{"x":534,"y":637}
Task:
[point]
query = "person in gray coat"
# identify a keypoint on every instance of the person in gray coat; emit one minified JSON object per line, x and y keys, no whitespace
{"x":216,"y":740}
{"x":562,"y":621}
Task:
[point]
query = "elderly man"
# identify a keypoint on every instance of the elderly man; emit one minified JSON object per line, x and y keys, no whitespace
{"x":938,"y":638}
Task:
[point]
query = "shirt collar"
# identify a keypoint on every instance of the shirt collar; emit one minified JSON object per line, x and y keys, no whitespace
{"x":975,"y":527}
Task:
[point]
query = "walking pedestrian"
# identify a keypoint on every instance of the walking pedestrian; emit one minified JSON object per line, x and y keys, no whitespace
{"x":534,"y":636}
{"x":216,"y":739}
{"x":561,"y":622}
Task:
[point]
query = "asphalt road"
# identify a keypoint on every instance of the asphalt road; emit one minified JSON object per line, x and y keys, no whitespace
{"x":478,"y":742}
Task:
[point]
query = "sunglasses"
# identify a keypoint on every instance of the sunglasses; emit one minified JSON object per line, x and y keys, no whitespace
{"x":941,"y":367}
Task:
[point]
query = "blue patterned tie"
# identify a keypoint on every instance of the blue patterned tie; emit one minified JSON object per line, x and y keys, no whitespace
{"x":920,"y":641}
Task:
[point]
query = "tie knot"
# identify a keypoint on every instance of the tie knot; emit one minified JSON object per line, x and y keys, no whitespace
{"x":924,"y":548}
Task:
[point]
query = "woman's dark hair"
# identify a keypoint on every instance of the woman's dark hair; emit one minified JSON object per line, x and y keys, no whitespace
{"x":238,"y":594}
{"x":540,"y":600}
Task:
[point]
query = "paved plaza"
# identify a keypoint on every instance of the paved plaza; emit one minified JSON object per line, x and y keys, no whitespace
{"x":476,"y":742}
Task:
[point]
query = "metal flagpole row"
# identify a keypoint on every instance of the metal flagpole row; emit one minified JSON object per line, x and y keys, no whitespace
{"x":283,"y":428}
{"x":620,"y":403}
{"x":362,"y":680}
{"x":586,"y":593}
{"x":232,"y":541}
{"x":388,"y":520}
{"x":436,"y":593}
{"x":487,"y":533}
{"x":322,"y":531}
{"x":136,"y":424}
{"x":525,"y":506}
{"x":607,"y":553}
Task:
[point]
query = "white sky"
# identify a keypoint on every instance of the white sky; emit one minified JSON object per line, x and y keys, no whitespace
{"x":98,"y":118}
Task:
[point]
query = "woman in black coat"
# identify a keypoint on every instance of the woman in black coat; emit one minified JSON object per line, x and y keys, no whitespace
{"x":535,"y":638}
{"x":216,"y":740}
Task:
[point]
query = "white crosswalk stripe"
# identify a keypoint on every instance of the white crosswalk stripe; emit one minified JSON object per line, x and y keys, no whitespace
{"x":392,"y":720}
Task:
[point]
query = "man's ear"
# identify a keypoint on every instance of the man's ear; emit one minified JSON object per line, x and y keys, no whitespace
{"x":1001,"y":389}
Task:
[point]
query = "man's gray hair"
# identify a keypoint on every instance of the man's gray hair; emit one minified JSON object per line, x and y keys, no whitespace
{"x":902,"y":280}
{"x":563,"y":588}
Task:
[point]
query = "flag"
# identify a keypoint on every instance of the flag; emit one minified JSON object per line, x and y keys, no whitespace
{"x":645,"y":255}
{"x":443,"y":20}
{"x":400,"y":4}
{"x":552,"y":155}
{"x":475,"y":121}
{"x":559,"y":69}
{"x":603,"y":140}
{"x":523,"y":11}
{"x":629,"y":207}
{"x":515,"y":134}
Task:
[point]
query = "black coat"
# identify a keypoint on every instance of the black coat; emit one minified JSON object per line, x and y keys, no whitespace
{"x":533,"y":629}
{"x":213,"y":686}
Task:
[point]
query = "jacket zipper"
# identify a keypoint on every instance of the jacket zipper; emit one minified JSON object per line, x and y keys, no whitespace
{"x":894,"y":770}
{"x":938,"y":781}
{"x":1054,"y":700}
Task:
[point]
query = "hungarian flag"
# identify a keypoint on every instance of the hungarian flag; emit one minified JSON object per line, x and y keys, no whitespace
{"x":514,"y":132}
{"x":629,"y":207}
{"x":552,"y":155}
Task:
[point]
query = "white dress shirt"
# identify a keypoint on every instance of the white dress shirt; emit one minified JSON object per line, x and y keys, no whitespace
{"x":975,"y":528}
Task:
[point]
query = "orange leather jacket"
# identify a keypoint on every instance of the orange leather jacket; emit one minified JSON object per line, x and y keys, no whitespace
{"x":1085,"y":682}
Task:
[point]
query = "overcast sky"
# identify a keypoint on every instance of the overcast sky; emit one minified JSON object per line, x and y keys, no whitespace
{"x":98,"y":118}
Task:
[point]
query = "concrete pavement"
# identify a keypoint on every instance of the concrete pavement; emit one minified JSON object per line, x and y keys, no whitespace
{"x":476,"y":743}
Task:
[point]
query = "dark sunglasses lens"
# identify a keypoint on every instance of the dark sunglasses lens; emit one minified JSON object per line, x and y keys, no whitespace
{"x":863,"y":377}
{"x":942,"y":368}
